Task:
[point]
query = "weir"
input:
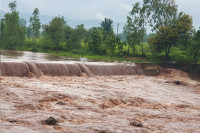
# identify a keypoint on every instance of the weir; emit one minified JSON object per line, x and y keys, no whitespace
{"x":38,"y":69}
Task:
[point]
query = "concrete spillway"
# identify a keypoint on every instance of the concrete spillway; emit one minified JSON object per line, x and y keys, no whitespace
{"x":26,"y":69}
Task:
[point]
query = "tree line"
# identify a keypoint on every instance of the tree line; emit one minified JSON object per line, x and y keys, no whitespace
{"x":170,"y":29}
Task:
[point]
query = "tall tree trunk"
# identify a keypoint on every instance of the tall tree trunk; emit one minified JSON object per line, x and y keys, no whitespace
{"x":167,"y":55}
{"x":167,"y":52}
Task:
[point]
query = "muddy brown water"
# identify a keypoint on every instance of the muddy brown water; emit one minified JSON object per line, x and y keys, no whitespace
{"x":112,"y":104}
{"x":24,"y":64}
{"x":12,"y":55}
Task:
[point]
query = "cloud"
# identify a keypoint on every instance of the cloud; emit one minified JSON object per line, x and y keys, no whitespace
{"x":100,"y":16}
{"x":117,"y":10}
{"x":126,"y":7}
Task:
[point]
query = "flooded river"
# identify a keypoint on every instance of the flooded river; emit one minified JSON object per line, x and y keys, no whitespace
{"x":113,"y":99}
{"x":12,"y":55}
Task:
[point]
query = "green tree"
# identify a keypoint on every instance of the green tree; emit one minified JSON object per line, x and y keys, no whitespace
{"x":161,"y":12}
{"x":168,"y":36}
{"x":107,"y":25}
{"x":171,"y":28}
{"x":12,"y":6}
{"x":135,"y":27}
{"x":109,"y":43}
{"x":13,"y":32}
{"x":73,"y":37}
{"x":193,"y":50}
{"x":185,"y":28}
{"x":22,"y":29}
{"x":119,"y":45}
{"x":82,"y":32}
{"x":165,"y":38}
{"x":29,"y":32}
{"x":55,"y":31}
{"x":35,"y":24}
{"x":94,"y":40}
{"x":2,"y":25}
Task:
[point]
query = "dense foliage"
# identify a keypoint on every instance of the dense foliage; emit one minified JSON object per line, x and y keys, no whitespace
{"x":173,"y":36}
{"x":13,"y":29}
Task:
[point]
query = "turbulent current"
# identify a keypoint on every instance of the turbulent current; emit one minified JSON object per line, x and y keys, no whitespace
{"x":25,"y":64}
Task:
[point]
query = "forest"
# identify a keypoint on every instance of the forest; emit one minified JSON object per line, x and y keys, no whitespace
{"x":173,"y":37}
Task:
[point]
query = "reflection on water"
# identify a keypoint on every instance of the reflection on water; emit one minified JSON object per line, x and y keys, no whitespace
{"x":12,"y":55}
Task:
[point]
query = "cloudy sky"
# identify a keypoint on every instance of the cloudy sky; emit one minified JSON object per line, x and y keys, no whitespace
{"x":117,"y":10}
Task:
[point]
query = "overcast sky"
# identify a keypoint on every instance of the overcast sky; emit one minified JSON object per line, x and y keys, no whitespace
{"x":117,"y":10}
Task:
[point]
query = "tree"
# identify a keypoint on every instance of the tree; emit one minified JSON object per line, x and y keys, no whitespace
{"x":94,"y":40}
{"x":73,"y":37}
{"x":29,"y":32}
{"x":135,"y":27}
{"x":12,"y":6}
{"x":55,"y":31}
{"x":2,"y":25}
{"x":185,"y":28}
{"x":107,"y":25}
{"x":171,"y":28}
{"x":165,"y":38}
{"x":160,"y":12}
{"x":13,"y":32}
{"x":22,"y":29}
{"x":120,"y":45}
{"x":35,"y":24}
{"x":82,"y":32}
{"x":109,"y":41}
{"x":193,"y":50}
{"x":168,"y":36}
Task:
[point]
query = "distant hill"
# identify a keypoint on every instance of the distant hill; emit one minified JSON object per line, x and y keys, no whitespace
{"x":45,"y":19}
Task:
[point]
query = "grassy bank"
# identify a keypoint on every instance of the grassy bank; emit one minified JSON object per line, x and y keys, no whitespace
{"x":98,"y":57}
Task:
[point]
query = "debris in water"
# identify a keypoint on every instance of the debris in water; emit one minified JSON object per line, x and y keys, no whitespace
{"x":102,"y":131}
{"x":61,"y":103}
{"x":12,"y":121}
{"x":51,"y":121}
{"x":136,"y":123}
{"x":179,"y":83}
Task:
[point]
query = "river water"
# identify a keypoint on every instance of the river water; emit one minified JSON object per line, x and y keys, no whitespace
{"x":12,"y":55}
{"x":20,"y":56}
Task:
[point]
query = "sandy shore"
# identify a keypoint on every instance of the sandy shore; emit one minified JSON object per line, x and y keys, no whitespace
{"x":101,"y":104}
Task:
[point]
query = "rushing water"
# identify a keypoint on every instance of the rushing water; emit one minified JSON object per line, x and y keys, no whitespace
{"x":12,"y":55}
{"x":18,"y":56}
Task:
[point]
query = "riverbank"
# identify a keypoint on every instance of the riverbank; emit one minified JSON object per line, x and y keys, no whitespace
{"x":99,"y":57}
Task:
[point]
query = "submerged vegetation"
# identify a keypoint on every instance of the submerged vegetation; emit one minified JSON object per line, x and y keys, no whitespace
{"x":173,"y":37}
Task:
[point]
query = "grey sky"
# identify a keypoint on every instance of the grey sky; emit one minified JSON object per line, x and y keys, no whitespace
{"x":117,"y":10}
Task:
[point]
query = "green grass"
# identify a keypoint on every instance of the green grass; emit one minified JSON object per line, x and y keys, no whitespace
{"x":97,"y":57}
